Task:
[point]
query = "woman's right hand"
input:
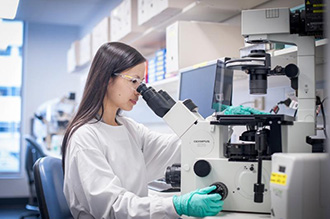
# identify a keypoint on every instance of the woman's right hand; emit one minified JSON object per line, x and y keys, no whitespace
{"x":198,"y":203}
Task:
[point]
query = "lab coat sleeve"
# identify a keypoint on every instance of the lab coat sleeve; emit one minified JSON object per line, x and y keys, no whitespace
{"x":160,"y":151}
{"x":104,"y":197}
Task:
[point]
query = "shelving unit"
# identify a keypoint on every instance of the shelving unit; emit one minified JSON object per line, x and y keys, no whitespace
{"x":217,"y":11}
{"x":150,"y":39}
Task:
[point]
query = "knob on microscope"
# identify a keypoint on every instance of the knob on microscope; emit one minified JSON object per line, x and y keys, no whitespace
{"x":202,"y":168}
{"x":173,"y":175}
{"x":221,"y":189}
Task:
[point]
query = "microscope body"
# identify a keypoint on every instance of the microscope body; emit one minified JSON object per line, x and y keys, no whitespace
{"x":278,"y":26}
{"x":274,"y":27}
{"x":203,"y":162}
{"x":203,"y":151}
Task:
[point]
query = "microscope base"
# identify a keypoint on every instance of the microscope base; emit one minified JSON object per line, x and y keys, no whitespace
{"x":239,"y":177}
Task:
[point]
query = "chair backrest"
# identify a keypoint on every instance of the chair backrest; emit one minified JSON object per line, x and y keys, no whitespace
{"x":48,"y":176}
{"x":32,"y":153}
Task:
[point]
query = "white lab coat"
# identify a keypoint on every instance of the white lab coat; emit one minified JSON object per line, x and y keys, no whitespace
{"x":107,"y":169}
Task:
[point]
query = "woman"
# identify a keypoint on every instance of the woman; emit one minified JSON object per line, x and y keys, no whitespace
{"x":109,"y":159}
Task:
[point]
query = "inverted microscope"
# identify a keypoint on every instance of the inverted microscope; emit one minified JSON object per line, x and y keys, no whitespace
{"x":242,"y":171}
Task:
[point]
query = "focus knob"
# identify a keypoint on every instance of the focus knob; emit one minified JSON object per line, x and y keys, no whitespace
{"x":291,"y":70}
{"x":221,"y":189}
{"x":202,"y":168}
{"x":173,"y":175}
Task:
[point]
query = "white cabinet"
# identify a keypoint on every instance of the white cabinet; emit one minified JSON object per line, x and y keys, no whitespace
{"x":83,"y":50}
{"x":153,"y":12}
{"x":153,"y":38}
{"x":100,"y":34}
{"x":123,"y":21}
{"x":71,"y":58}
{"x":189,"y":43}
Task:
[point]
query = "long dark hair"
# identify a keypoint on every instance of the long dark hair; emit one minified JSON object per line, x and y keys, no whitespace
{"x":111,"y":58}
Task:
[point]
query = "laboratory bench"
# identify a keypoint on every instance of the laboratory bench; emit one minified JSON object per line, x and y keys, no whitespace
{"x":223,"y":214}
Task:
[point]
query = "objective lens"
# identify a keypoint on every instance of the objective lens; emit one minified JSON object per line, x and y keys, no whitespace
{"x":258,"y":83}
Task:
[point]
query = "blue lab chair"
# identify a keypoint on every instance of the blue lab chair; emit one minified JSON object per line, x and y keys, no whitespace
{"x":32,"y":153}
{"x":48,"y":176}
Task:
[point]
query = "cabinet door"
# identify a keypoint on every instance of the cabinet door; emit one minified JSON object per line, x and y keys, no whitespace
{"x":121,"y":20}
{"x":172,"y":47}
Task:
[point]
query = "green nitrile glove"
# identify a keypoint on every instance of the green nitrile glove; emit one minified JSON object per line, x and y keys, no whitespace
{"x":242,"y":110}
{"x":219,"y":107}
{"x":198,"y":203}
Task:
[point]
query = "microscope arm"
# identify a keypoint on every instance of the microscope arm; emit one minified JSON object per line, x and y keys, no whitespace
{"x":180,"y":119}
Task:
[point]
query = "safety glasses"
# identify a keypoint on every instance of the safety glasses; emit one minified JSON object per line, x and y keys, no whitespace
{"x":135,"y":82}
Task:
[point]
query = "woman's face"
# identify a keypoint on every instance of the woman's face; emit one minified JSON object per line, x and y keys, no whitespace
{"x":121,"y":91}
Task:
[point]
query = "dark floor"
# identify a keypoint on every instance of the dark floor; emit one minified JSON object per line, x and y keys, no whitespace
{"x":14,"y":212}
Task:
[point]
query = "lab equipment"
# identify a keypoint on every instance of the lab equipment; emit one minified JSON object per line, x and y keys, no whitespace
{"x":257,"y":65}
{"x":205,"y":95}
{"x":52,"y":118}
{"x":287,"y":102}
{"x":243,"y":169}
{"x":173,"y":175}
{"x":295,"y":186}
{"x":203,"y":161}
{"x":199,"y":203}
{"x":273,"y":27}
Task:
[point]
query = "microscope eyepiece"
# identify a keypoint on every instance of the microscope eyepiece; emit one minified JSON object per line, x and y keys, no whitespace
{"x":142,"y":88}
{"x":160,"y":102}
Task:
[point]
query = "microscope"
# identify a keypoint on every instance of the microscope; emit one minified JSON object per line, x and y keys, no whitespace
{"x":280,"y":26}
{"x":242,"y":171}
{"x":205,"y":160}
{"x":295,"y":175}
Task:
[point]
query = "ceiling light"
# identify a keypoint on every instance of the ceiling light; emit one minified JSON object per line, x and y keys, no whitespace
{"x":8,"y":8}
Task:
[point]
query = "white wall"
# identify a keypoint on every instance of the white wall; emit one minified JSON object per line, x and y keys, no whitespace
{"x":45,"y":77}
{"x":45,"y":74}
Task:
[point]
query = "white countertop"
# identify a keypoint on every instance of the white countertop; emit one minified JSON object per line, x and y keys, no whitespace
{"x":226,"y":215}
{"x":235,"y":215}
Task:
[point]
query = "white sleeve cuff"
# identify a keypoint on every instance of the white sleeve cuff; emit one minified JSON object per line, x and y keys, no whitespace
{"x":169,"y":208}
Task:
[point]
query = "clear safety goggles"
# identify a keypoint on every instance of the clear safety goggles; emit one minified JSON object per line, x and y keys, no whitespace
{"x":135,"y":82}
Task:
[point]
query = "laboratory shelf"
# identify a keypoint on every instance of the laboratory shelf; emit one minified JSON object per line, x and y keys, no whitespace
{"x":170,"y":85}
{"x":153,"y":38}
